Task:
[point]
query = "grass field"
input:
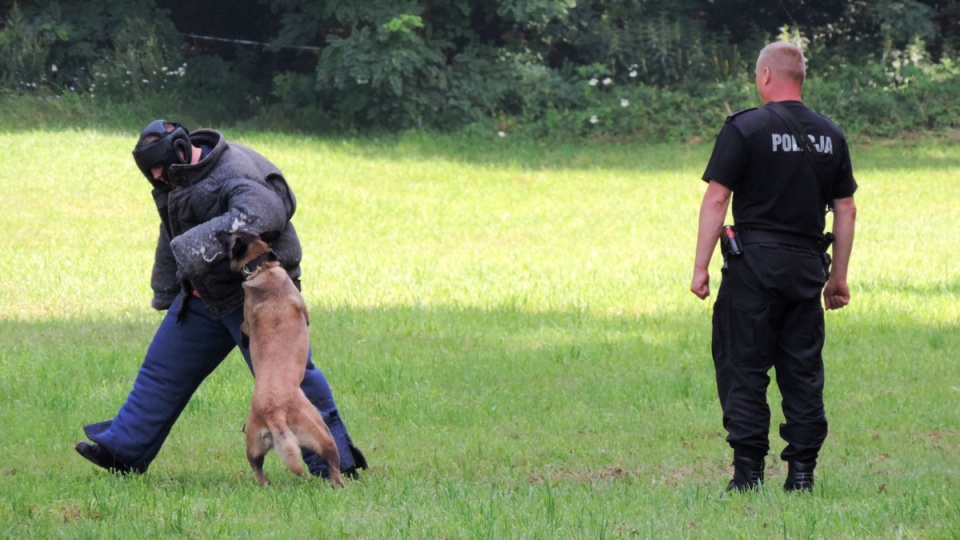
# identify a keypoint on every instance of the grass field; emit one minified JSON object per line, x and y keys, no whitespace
{"x":509,"y":333}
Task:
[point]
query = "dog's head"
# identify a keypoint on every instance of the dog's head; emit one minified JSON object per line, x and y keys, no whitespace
{"x":245,"y":248}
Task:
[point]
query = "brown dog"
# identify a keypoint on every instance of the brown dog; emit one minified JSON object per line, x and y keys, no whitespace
{"x":275,"y":323}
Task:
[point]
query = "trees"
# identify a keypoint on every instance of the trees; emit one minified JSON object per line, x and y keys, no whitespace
{"x":60,"y":44}
{"x":445,"y":63}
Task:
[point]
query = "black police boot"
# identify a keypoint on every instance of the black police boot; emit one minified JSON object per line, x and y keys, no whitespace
{"x":799,"y":476}
{"x":318,"y":467}
{"x":359,"y":459}
{"x":99,"y":456}
{"x":747,"y":474}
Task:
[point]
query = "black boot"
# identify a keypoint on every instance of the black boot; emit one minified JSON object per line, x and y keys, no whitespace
{"x":799,"y":476}
{"x":747,"y":474}
{"x":359,"y":459}
{"x":99,"y":456}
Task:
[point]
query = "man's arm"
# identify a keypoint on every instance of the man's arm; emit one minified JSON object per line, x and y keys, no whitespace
{"x":250,"y":206}
{"x":163,"y":279}
{"x":836,"y":293}
{"x":713,"y":210}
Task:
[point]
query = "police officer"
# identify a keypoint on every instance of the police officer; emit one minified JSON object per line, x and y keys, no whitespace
{"x":205,"y":188}
{"x":768,"y":313}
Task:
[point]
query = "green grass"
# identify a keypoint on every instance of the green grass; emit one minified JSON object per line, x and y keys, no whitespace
{"x":509,"y":333}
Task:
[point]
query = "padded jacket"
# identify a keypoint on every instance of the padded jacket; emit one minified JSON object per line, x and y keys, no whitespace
{"x":232,"y":188}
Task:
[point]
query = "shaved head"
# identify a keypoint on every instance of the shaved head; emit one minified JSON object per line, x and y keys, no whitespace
{"x":783,"y":59}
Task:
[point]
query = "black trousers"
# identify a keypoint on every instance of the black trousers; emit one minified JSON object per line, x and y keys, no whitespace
{"x":768,"y":314}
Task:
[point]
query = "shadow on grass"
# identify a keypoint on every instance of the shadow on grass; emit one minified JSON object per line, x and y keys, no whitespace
{"x":615,"y":154}
{"x":524,"y":154}
{"x":464,"y":391}
{"x":491,"y":150}
{"x":480,"y":151}
{"x":392,"y":348}
{"x":462,"y":382}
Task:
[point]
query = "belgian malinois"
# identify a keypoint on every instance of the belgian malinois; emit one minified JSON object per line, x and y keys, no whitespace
{"x":275,"y":329}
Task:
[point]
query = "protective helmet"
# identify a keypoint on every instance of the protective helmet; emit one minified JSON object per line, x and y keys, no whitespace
{"x":170,"y":146}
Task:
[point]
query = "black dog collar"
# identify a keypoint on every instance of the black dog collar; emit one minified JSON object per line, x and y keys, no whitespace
{"x":251,"y":267}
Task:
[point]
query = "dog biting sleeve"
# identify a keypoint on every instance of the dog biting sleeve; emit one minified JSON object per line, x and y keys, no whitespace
{"x":251,"y":207}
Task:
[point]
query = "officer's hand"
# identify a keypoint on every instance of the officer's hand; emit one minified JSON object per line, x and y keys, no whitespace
{"x":836,"y":294}
{"x":700,"y":285}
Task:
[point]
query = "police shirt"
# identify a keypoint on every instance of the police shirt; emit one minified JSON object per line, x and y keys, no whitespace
{"x":773,"y":186}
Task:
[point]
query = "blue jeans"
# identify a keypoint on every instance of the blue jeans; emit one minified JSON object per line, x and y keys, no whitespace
{"x":182,"y":354}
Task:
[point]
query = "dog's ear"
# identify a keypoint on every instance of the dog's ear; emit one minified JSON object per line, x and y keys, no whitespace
{"x":238,"y":247}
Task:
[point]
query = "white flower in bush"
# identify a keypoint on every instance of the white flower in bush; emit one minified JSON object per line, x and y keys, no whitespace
{"x":53,"y":68}
{"x":633,"y":73}
{"x":594,"y":119}
{"x":608,"y":81}
{"x":593,"y":82}
{"x":624,"y":102}
{"x":501,"y":134}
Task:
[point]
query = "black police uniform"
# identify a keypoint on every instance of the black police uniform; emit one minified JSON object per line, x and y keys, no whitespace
{"x":768,"y":313}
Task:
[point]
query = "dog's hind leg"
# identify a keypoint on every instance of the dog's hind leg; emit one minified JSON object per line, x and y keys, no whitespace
{"x":257,"y":463}
{"x":285,"y":441}
{"x":315,"y":435}
{"x":257,"y":446}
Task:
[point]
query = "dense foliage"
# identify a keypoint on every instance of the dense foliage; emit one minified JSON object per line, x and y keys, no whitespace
{"x":547,"y":67}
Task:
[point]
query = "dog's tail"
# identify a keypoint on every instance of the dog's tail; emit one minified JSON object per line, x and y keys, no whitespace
{"x":286,"y":443}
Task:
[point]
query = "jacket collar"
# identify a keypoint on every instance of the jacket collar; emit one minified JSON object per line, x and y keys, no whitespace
{"x":186,"y":175}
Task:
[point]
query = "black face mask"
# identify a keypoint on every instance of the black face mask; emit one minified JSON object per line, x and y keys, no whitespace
{"x":170,"y":148}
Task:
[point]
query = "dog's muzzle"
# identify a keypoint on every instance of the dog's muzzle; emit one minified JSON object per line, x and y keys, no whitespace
{"x":251,"y":267}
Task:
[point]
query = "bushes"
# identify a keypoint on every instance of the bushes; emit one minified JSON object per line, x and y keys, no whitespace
{"x":545,"y":68}
{"x":610,"y":105}
{"x":123,"y":55}
{"x":555,"y":108}
{"x":875,"y":101}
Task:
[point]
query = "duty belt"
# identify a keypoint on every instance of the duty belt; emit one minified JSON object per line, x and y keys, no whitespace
{"x":761,"y":236}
